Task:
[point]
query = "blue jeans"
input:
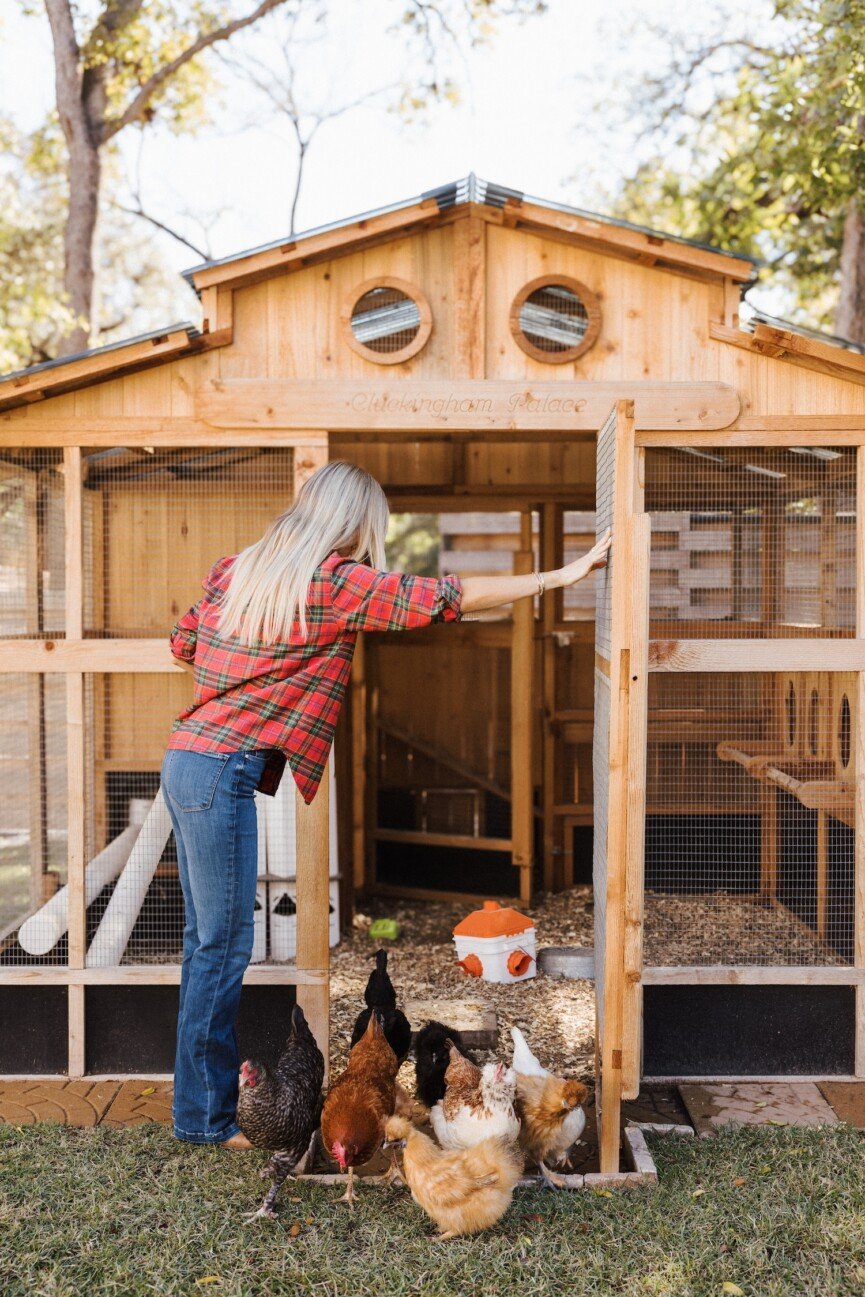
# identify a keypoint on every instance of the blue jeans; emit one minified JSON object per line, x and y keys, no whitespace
{"x":210,"y":798}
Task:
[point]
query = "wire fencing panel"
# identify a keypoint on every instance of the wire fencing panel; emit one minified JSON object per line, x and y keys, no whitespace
{"x":750,"y":827}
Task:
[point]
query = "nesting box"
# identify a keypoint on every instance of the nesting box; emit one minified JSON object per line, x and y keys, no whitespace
{"x":497,"y":944}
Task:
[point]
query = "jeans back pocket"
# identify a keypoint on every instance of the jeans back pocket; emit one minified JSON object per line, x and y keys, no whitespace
{"x":191,"y":778}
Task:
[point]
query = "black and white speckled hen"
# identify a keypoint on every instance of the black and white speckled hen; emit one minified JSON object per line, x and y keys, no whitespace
{"x":381,"y":996}
{"x":278,"y":1107}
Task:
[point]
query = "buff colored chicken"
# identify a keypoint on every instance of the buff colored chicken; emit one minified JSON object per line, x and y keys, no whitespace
{"x":550,"y":1108}
{"x":478,"y":1104}
{"x":465,"y":1190}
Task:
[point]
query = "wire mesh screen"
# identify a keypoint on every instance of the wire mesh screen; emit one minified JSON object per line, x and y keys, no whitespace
{"x":605,"y":501}
{"x":32,"y":814}
{"x":385,"y":319}
{"x":31,"y":544}
{"x":554,"y":318}
{"x":752,"y":542}
{"x":749,"y":847}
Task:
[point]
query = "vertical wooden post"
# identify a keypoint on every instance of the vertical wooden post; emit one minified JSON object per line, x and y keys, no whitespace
{"x":75,"y":754}
{"x":859,"y":768}
{"x":552,"y":547}
{"x":358,"y":764}
{"x":313,"y":854}
{"x":772,"y":582}
{"x":313,"y":919}
{"x":34,"y":558}
{"x":822,"y":871}
{"x":469,"y":253}
{"x":522,"y":704}
{"x":736,"y":565}
{"x":829,"y":555}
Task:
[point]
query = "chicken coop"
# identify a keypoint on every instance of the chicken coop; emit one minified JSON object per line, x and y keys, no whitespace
{"x":685,"y":730}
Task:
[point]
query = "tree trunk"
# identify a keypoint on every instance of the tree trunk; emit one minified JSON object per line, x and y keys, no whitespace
{"x":79,"y":96}
{"x":850,"y":316}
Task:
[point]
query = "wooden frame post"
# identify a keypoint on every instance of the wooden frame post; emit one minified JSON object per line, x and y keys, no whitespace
{"x":554,"y":829}
{"x":859,"y":767}
{"x":313,"y":902}
{"x":358,"y":765}
{"x":522,"y":709}
{"x":34,"y":558}
{"x":75,"y":754}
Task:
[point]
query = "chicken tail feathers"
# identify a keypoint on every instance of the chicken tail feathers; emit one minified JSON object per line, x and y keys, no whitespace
{"x":524,"y":1060}
{"x":380,"y":993}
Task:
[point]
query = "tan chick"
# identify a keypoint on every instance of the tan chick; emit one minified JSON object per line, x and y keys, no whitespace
{"x":464,"y":1191}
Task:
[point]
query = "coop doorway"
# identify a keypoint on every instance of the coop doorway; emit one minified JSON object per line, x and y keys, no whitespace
{"x":470,"y":745}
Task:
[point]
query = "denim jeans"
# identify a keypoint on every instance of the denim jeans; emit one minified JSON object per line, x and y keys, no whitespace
{"x":210,"y":798}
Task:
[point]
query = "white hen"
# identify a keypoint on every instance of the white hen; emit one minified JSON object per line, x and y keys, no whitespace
{"x":524,"y":1061}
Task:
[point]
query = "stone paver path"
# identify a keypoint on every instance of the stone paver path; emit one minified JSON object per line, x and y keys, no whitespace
{"x":848,"y":1100}
{"x":138,"y":1102}
{"x":73,"y":1103}
{"x":752,"y":1103}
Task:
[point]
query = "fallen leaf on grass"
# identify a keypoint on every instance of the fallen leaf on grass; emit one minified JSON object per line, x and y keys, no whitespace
{"x":295,"y":1229}
{"x":604,"y":1193}
{"x":697,"y":1193}
{"x":310,"y":1221}
{"x":775,"y":1121}
{"x":739,"y":1181}
{"x":208,"y":1278}
{"x":732,"y":1289}
{"x":536,"y":1217}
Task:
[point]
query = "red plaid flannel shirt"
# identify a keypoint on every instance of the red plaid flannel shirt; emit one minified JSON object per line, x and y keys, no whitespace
{"x":286,"y":697}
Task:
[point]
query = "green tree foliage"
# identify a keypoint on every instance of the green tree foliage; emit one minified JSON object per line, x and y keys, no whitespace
{"x":773,"y":163}
{"x":413,"y":543}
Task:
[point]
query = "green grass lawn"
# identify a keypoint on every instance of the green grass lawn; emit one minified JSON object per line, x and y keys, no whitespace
{"x":86,"y":1212}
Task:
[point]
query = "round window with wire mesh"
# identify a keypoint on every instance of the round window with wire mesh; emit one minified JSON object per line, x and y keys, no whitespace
{"x":387,"y":321}
{"x":555,"y":319}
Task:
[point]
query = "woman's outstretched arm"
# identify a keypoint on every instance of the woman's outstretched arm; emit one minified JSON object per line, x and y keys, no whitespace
{"x":481,"y":592}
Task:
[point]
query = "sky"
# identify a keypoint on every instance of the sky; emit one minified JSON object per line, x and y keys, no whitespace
{"x":524,"y":118}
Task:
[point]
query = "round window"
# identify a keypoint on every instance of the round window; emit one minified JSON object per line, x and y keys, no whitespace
{"x":844,"y":732}
{"x":387,"y":321}
{"x":555,"y":319}
{"x":791,"y":714}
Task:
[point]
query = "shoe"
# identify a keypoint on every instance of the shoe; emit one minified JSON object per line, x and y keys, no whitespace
{"x":237,"y":1143}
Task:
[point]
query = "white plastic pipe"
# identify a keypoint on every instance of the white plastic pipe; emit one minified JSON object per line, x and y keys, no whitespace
{"x":115,"y":927}
{"x":41,"y":932}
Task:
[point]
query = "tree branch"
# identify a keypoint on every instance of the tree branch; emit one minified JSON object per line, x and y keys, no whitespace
{"x":136,"y":109}
{"x":139,"y":211}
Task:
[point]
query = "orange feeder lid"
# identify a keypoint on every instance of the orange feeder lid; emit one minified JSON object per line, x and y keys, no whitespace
{"x":493,"y":920}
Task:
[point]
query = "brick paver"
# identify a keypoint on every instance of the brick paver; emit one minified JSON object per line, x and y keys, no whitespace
{"x":753,"y":1103}
{"x":73,"y":1103}
{"x":138,"y":1102}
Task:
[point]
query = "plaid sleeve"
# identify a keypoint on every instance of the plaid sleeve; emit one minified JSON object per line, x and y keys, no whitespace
{"x":366,"y":599}
{"x":184,"y":635}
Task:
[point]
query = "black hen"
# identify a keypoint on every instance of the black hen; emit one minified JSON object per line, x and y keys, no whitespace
{"x":432,"y":1050}
{"x":278,"y":1107}
{"x":381,"y":996}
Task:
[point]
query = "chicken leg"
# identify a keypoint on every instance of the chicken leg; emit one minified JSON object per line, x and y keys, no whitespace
{"x":556,"y":1181}
{"x":350,"y":1196}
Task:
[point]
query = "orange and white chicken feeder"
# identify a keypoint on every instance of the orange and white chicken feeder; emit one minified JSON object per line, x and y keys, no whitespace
{"x":497,"y":944}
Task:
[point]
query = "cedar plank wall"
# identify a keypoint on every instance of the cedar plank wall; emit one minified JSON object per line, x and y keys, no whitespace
{"x":655,"y":326}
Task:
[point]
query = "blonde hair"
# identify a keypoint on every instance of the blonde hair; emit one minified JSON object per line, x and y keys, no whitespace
{"x":341,"y":507}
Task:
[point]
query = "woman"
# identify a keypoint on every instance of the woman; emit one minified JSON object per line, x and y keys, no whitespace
{"x":271,"y":644}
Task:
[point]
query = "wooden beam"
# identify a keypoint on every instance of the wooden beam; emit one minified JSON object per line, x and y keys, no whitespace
{"x":374,"y":406}
{"x":756,"y":432}
{"x":18,"y":427}
{"x":753,"y":975}
{"x":307,"y":460}
{"x":784,"y":344}
{"x":63,"y":656}
{"x":522,"y":718}
{"x":757,"y":655}
{"x":554,"y":830}
{"x":151,"y":975}
{"x":313,"y":902}
{"x":464,"y":841}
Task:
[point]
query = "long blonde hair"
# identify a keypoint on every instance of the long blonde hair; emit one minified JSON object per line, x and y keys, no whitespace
{"x":341,"y":507}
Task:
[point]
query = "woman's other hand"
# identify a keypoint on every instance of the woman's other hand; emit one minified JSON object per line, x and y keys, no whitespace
{"x":581,"y":567}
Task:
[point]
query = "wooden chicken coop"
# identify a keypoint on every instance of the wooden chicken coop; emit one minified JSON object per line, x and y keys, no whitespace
{"x":466,"y":347}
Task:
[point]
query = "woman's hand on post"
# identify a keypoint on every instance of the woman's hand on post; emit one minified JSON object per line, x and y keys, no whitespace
{"x":581,"y":567}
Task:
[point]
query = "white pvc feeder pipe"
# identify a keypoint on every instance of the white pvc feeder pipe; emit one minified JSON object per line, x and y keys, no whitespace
{"x":115,"y":927}
{"x":41,"y":932}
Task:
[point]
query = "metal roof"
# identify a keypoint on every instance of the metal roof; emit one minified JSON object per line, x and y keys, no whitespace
{"x":469,"y":189}
{"x":190,"y":329}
